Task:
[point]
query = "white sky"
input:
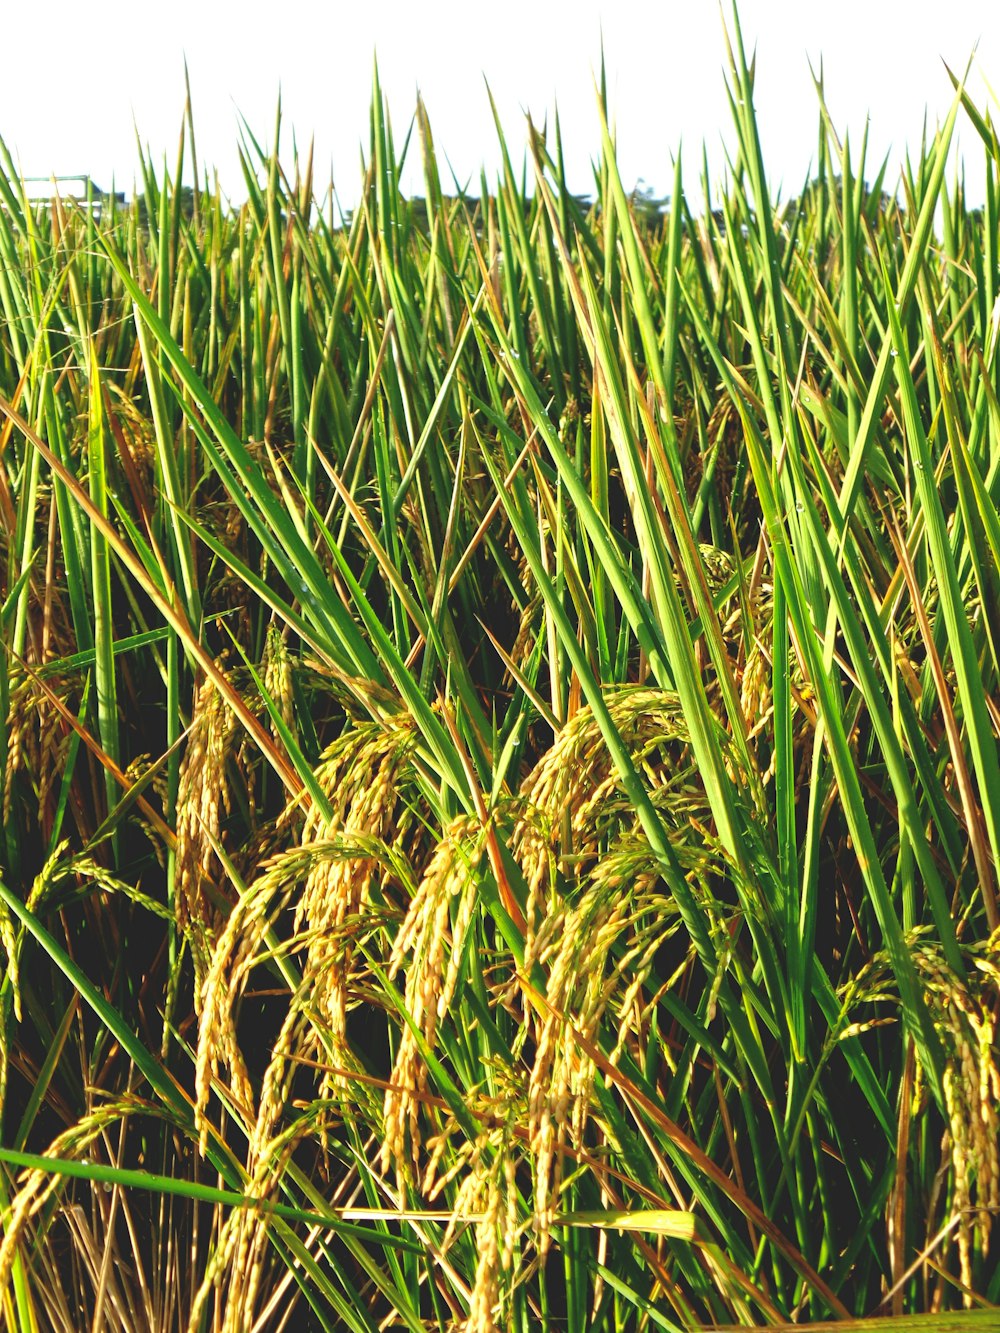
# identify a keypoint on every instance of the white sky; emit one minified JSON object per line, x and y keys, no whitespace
{"x":77,"y":77}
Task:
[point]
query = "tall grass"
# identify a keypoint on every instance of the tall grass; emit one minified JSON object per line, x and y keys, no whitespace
{"x":498,"y":743}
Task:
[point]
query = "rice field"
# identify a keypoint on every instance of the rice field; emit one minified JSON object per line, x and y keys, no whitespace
{"x":498,"y":746}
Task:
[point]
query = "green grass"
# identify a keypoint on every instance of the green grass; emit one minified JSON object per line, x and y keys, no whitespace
{"x":498,"y":746}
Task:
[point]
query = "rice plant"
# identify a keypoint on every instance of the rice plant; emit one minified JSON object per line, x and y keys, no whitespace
{"x":498,"y":745}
